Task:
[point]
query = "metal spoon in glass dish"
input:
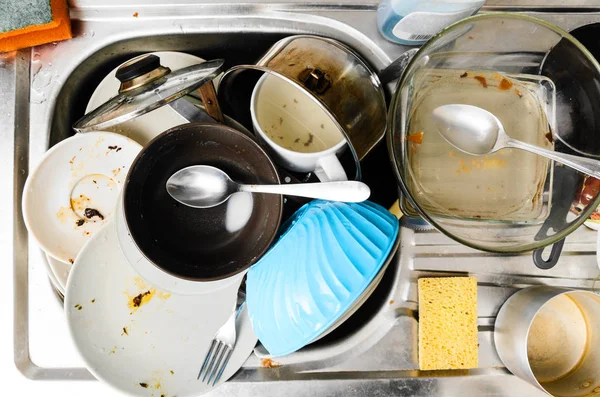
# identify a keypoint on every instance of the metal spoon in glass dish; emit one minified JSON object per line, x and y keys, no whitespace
{"x":476,"y":131}
{"x":203,"y":186}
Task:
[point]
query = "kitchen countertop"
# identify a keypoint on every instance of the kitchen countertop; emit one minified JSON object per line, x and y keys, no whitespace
{"x":14,"y":383}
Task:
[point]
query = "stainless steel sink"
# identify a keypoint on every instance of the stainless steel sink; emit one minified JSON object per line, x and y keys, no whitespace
{"x":374,"y":352}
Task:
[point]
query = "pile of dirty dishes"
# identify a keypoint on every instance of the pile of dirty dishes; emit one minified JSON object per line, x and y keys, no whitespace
{"x":149,"y":281}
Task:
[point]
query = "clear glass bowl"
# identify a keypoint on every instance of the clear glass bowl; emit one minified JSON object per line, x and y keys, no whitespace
{"x":544,"y":86}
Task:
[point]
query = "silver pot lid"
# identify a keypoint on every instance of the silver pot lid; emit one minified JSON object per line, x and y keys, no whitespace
{"x":146,"y":85}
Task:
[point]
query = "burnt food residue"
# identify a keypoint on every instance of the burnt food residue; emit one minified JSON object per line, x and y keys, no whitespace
{"x":137,"y":301}
{"x":80,"y":222}
{"x":91,"y":212}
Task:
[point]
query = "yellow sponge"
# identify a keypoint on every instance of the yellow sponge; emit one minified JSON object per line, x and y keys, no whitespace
{"x":448,"y":323}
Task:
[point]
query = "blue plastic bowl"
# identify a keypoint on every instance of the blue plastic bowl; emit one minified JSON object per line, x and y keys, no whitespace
{"x":328,"y":254}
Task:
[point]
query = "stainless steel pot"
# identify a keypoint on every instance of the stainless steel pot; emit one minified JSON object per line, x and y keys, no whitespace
{"x":335,"y":76}
{"x":549,"y":337}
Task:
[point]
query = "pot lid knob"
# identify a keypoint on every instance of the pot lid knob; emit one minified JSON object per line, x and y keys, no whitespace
{"x":139,"y":71}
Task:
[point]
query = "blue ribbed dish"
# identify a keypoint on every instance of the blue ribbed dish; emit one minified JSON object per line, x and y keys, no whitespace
{"x":326,"y":257}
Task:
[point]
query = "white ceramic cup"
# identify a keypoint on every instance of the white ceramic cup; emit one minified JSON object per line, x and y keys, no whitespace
{"x":290,"y":117}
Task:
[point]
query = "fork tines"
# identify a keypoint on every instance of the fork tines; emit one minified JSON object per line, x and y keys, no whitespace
{"x":218,"y":352}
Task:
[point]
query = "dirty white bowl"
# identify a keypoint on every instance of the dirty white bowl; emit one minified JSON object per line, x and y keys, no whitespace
{"x":152,"y":349}
{"x":83,"y":171}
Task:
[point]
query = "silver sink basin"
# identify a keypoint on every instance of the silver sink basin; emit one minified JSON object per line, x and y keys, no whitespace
{"x":375,"y":351}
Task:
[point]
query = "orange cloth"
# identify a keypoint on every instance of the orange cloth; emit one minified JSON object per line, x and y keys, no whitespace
{"x":57,"y":29}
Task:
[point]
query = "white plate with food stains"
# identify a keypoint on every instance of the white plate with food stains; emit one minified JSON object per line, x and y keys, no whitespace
{"x":145,"y":127}
{"x":140,"y":339}
{"x":74,"y":189}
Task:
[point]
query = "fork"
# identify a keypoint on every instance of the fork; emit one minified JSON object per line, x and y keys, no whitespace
{"x":220,"y":350}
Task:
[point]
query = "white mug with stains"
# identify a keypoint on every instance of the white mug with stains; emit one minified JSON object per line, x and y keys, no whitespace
{"x":300,"y":135}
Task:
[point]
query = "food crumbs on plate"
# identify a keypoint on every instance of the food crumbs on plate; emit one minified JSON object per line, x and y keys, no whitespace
{"x":136,"y":14}
{"x":322,"y":126}
{"x":92,"y":212}
{"x":280,"y":120}
{"x":172,"y":372}
{"x":284,"y":106}
{"x":451,"y":154}
{"x":73,"y":159}
{"x":310,"y":139}
{"x":471,"y":37}
{"x":116,"y":172}
{"x":78,"y":307}
{"x":80,"y":222}
{"x":465,"y":74}
{"x":269,"y":363}
{"x":71,"y":261}
{"x":125,"y":331}
{"x":549,"y":137}
{"x":112,"y":147}
{"x":114,"y":350}
{"x":392,"y":302}
{"x":137,"y":301}
{"x":416,"y":137}
{"x":482,"y":80}
{"x":296,"y":140}
{"x":280,"y":137}
{"x":519,"y":93}
{"x":79,"y":203}
{"x":140,"y":283}
{"x":144,"y":385}
{"x":295,"y":100}
{"x":93,"y":301}
{"x":505,"y":84}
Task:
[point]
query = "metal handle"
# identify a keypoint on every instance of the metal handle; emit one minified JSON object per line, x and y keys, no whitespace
{"x":395,"y":69}
{"x":582,"y":164}
{"x":346,"y":191}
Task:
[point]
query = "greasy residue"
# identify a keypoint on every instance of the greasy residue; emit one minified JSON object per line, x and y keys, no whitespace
{"x":482,"y":81}
{"x":505,"y":84}
{"x":269,"y":363}
{"x":416,"y":137}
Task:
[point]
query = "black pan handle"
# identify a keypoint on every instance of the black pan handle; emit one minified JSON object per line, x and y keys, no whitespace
{"x":552,"y":260}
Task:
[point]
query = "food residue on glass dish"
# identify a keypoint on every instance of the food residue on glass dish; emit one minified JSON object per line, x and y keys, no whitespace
{"x":416,"y":137}
{"x":482,"y":80}
{"x":125,"y":332}
{"x":485,"y":163}
{"x":79,"y":203}
{"x":80,"y":222}
{"x":78,"y":307}
{"x":505,"y":84}
{"x":269,"y":363}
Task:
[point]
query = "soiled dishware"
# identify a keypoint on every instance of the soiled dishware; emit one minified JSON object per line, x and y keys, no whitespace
{"x":504,"y":186}
{"x":532,"y":211}
{"x":73,"y":191}
{"x":328,"y":255}
{"x":208,"y":244}
{"x":549,"y":336}
{"x":138,"y":338}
